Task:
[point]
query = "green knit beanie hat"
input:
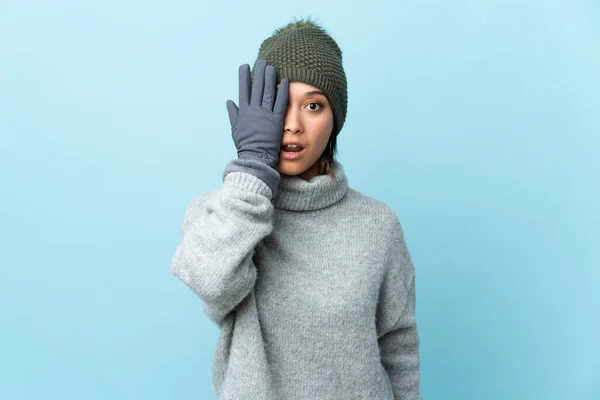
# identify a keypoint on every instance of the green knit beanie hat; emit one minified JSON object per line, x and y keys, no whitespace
{"x":303,"y":51}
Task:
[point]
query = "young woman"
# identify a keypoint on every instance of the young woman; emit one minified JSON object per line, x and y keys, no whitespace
{"x":310,"y":281}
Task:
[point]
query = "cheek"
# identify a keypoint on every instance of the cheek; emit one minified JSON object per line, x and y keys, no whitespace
{"x":325,"y":121}
{"x":328,"y":127}
{"x":324,"y":131}
{"x":319,"y":128}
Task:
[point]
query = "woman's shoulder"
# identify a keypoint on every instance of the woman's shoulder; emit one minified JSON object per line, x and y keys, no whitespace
{"x":372,"y":207}
{"x":382,"y":217}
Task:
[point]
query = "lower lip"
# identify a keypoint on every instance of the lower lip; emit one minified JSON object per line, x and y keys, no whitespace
{"x":292,"y":155}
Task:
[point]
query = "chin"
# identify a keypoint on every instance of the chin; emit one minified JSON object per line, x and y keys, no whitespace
{"x":285,"y":168}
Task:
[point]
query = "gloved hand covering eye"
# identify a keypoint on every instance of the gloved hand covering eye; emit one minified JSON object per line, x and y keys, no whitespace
{"x":257,"y":125}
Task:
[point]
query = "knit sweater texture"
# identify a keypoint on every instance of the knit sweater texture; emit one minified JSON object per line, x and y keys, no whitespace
{"x":310,"y":282}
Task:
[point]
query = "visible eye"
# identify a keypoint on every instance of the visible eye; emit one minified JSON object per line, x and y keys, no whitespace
{"x":318,"y":104}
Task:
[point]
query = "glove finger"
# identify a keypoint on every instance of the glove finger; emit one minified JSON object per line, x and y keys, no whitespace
{"x":233,"y":112}
{"x":282,"y":97}
{"x":244,"y":81}
{"x":259,"y":83}
{"x":269,"y":95}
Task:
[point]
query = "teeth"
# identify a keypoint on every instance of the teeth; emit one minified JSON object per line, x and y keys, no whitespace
{"x":292,"y":145}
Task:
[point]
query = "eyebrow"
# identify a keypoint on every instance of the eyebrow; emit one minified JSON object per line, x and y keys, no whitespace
{"x":314,"y":92}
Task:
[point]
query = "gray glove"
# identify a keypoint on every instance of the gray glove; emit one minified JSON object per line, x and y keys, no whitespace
{"x":257,"y":125}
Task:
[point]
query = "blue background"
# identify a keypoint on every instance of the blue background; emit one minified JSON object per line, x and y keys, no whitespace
{"x":478,"y":122}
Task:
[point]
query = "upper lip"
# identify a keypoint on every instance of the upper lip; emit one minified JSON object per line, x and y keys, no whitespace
{"x":298,"y":143}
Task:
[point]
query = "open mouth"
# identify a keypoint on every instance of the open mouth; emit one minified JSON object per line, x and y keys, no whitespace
{"x":292,"y":148}
{"x":292,"y":153}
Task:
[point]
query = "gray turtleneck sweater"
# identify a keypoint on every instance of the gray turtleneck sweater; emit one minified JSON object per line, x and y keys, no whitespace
{"x":311,"y":284}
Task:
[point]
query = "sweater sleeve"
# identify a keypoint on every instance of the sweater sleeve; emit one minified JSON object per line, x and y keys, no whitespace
{"x":220,"y":230}
{"x":396,"y":322}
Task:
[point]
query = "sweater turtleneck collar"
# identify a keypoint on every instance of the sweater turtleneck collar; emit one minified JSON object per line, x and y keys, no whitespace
{"x":297,"y":194}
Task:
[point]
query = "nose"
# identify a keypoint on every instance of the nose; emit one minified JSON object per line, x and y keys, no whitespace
{"x":292,"y":122}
